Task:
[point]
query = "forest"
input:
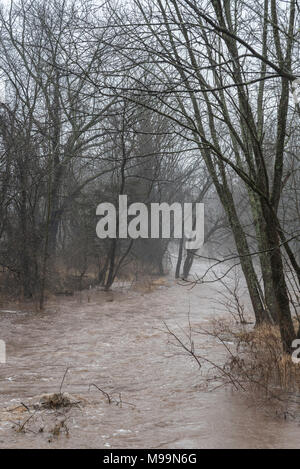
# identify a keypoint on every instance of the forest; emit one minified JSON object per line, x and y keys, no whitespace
{"x":165,"y":102}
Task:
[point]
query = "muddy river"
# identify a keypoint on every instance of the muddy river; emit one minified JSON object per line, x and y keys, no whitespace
{"x":117,"y":342}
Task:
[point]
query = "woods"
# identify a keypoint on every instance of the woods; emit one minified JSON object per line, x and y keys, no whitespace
{"x":131,"y":131}
{"x":164,"y":102}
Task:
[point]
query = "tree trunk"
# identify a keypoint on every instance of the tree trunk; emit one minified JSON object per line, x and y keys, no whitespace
{"x":112,"y":256}
{"x":188,"y":263}
{"x":286,"y":326}
{"x":179,"y":259}
{"x":264,"y":257}
{"x":244,"y":253}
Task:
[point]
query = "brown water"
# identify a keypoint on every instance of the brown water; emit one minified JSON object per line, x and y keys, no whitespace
{"x":122,"y":347}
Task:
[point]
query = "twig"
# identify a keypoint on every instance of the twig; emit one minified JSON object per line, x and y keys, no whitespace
{"x":62,"y":381}
{"x":103,"y":392}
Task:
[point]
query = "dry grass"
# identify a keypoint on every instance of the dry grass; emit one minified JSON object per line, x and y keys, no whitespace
{"x":57,"y":401}
{"x":254,"y":364}
{"x":257,"y":362}
{"x":47,"y":414}
{"x":148,"y":284}
{"x":65,"y":280}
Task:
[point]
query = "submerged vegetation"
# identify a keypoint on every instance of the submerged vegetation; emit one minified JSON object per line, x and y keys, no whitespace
{"x":157,"y":102}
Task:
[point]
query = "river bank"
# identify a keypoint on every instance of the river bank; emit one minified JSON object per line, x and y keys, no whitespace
{"x":118,"y":343}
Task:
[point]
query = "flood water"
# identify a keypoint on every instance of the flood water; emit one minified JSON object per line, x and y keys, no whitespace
{"x":118,"y":342}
